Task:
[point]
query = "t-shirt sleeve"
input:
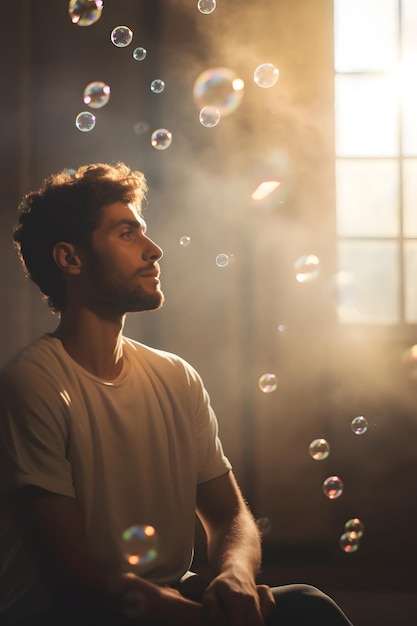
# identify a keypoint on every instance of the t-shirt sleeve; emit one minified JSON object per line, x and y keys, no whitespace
{"x":211,"y":459}
{"x":33,"y":435}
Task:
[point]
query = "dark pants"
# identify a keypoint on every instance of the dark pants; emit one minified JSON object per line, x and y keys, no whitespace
{"x":296,"y":605}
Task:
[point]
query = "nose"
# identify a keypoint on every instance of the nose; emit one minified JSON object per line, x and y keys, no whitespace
{"x":153,"y":252}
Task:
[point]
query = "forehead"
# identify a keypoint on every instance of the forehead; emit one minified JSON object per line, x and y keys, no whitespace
{"x":119,"y":212}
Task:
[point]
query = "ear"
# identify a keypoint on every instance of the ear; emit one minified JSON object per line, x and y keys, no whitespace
{"x":66,"y":257}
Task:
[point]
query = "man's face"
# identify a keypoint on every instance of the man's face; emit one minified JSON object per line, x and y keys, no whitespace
{"x":121,"y":265}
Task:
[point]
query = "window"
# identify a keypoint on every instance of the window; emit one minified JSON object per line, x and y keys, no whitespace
{"x":375,"y":60}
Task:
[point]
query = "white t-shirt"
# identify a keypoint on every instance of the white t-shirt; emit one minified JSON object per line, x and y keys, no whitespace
{"x":131,"y":452}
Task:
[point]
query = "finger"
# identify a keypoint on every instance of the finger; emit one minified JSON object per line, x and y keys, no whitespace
{"x":266,"y":599}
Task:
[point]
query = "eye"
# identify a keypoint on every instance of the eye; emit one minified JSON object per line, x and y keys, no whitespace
{"x":127,"y":234}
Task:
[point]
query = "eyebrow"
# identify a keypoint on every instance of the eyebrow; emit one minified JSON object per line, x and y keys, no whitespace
{"x":125,"y":221}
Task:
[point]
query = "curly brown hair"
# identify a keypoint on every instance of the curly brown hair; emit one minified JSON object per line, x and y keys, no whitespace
{"x":68,"y":207}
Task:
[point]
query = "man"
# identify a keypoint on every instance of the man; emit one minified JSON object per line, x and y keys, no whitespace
{"x":99,"y":434}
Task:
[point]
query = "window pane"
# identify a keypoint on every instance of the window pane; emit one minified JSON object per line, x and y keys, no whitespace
{"x":409,"y":108}
{"x":410,"y":281}
{"x":366,"y":116}
{"x":367,"y":198}
{"x":409,"y":31}
{"x":410,"y":197}
{"x":366,"y":35}
{"x":368,"y":293}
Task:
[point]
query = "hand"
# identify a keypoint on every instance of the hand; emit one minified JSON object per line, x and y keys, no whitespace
{"x":236,"y":601}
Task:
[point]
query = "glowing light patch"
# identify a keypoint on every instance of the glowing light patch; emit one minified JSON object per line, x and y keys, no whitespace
{"x":264,"y":189}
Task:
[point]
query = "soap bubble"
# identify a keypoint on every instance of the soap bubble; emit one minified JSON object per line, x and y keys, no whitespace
{"x":267,"y":383}
{"x":85,"y":121}
{"x":222,"y":260}
{"x":161,"y":138}
{"x":185,"y":241}
{"x":206,"y":6}
{"x":219,"y":87}
{"x":333,"y":487}
{"x":139,"y":54}
{"x":306,"y":268}
{"x":359,"y":425}
{"x":319,"y":449}
{"x":121,"y":36}
{"x":266,"y":75}
{"x":281,"y":328}
{"x":96,"y":94}
{"x":354,"y":528}
{"x":140,"y":544}
{"x":264,"y":524}
{"x":85,"y":12}
{"x":348,"y":543}
{"x":157,"y":85}
{"x":209,"y":116}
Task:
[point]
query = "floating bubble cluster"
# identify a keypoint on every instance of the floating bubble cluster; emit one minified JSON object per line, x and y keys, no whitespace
{"x":85,"y":121}
{"x":121,"y":36}
{"x":161,"y":139}
{"x":206,"y":6}
{"x":140,"y":544}
{"x":139,"y":54}
{"x":266,"y":75}
{"x":267,"y":383}
{"x":333,"y":487}
{"x":185,"y":241}
{"x":319,"y":449}
{"x":349,"y":540}
{"x":209,"y":116}
{"x":96,"y":94}
{"x":307,"y":268}
{"x":359,"y":425}
{"x":157,"y":85}
{"x":85,"y":12}
{"x":219,"y":87}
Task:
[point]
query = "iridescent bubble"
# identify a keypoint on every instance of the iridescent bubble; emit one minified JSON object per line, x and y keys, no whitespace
{"x":206,"y":6}
{"x":281,"y":328}
{"x":161,"y":138}
{"x":219,"y":87}
{"x":222,"y":260}
{"x":266,"y":75}
{"x":348,"y":544}
{"x":140,"y":544}
{"x":354,"y":528}
{"x":96,"y":94}
{"x":121,"y":36}
{"x":85,"y":12}
{"x":157,"y":85}
{"x":267,"y":383}
{"x":359,"y":425}
{"x":319,"y":449}
{"x":209,"y":116}
{"x":333,"y":487}
{"x":85,"y":121}
{"x":139,"y":54}
{"x":264,"y":524}
{"x":306,"y":268}
{"x":185,"y":241}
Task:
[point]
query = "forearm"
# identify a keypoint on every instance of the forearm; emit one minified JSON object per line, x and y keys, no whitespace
{"x":236,"y":545}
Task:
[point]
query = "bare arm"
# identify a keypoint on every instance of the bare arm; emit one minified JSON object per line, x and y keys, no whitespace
{"x":55,"y":529}
{"x":234,"y":551}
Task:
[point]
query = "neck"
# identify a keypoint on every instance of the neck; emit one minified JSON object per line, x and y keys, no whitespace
{"x":93,"y":342}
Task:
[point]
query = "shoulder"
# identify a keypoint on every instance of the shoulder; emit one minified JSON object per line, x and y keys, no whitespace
{"x":161,"y":360}
{"x":36,"y":364}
